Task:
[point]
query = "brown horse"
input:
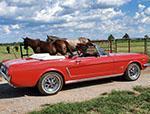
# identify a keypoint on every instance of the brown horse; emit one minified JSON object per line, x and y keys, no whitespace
{"x":80,"y":45}
{"x":52,"y":48}
{"x":73,"y":42}
{"x":58,"y":41}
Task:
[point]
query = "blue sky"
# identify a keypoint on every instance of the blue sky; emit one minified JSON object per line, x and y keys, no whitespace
{"x":95,"y":19}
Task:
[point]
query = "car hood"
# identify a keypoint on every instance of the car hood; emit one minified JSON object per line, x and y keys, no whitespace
{"x":124,"y":54}
{"x":8,"y":63}
{"x":129,"y":55}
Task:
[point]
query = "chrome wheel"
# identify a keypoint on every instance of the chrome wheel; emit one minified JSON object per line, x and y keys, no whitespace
{"x":50,"y":83}
{"x":133,"y":72}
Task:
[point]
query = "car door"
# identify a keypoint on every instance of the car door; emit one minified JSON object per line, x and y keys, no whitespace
{"x":83,"y":67}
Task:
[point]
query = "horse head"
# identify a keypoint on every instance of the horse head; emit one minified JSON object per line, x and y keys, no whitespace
{"x":26,"y":42}
{"x":33,"y":43}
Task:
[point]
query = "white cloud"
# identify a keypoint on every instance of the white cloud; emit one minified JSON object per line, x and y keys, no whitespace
{"x":94,"y":15}
{"x":16,"y":26}
{"x":48,"y":14}
{"x":69,"y":2}
{"x":6,"y":29}
{"x":88,"y":25}
{"x":9,"y":28}
{"x":110,"y":26}
{"x":6,"y":10}
{"x":113,"y":2}
{"x":49,"y":10}
{"x":147,"y":11}
{"x":141,"y":7}
{"x":67,"y":25}
{"x":143,"y":16}
{"x":22,"y":1}
{"x":60,"y":17}
{"x":110,"y":13}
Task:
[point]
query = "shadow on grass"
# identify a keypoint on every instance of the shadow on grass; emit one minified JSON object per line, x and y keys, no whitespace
{"x":6,"y":91}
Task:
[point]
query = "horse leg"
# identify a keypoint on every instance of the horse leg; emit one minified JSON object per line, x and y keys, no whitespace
{"x":69,"y":48}
{"x":38,"y":50}
{"x":52,"y":49}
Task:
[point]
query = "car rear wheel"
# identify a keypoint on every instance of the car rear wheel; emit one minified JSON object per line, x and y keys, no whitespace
{"x":50,"y":83}
{"x":133,"y":72}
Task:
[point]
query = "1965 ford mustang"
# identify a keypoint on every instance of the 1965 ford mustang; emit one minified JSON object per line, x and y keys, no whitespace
{"x":50,"y":73}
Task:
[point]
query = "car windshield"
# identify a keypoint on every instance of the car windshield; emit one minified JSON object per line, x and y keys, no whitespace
{"x":94,"y":50}
{"x":100,"y":50}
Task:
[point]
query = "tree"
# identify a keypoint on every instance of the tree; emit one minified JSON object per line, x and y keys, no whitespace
{"x":126,"y":36}
{"x":111,"y":37}
{"x":146,"y":36}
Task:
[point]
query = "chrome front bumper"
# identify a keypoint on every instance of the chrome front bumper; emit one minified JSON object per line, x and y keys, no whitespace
{"x":7,"y":78}
{"x":147,"y":65}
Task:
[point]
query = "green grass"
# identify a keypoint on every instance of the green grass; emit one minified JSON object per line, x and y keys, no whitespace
{"x":117,"y":102}
{"x":13,"y":55}
{"x":137,"y":46}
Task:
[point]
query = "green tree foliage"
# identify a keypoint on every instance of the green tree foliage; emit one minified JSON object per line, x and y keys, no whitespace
{"x":126,"y":36}
{"x":111,"y":37}
{"x":146,"y":36}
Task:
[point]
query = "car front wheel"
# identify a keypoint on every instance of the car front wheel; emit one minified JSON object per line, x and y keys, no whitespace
{"x":133,"y":72}
{"x":50,"y":83}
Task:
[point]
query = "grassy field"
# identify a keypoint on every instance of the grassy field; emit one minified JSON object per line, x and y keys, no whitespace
{"x":13,"y":54}
{"x":117,"y":102}
{"x":137,"y":46}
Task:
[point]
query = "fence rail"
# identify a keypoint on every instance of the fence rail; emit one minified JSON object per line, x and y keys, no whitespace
{"x":125,"y":45}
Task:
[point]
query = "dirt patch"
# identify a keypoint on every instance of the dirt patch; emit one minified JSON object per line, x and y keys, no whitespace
{"x":23,"y":100}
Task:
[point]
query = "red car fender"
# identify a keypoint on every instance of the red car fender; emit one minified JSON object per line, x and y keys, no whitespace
{"x":134,"y":61}
{"x":52,"y":70}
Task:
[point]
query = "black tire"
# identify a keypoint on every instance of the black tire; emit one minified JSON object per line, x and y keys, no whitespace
{"x":50,"y":83}
{"x":132,"y":72}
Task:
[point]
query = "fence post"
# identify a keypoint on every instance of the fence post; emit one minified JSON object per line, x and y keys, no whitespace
{"x":145,"y":45}
{"x":21,"y":51}
{"x":116,"y":45}
{"x":27,"y":52}
{"x":129,"y":45}
{"x":110,"y":46}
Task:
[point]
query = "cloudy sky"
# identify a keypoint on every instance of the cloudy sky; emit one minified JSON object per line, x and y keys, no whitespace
{"x":95,"y":19}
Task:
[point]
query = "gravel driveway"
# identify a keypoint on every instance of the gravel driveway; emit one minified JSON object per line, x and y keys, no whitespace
{"x":23,"y":100}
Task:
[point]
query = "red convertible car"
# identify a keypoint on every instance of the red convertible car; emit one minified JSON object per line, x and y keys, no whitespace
{"x":50,"y":73}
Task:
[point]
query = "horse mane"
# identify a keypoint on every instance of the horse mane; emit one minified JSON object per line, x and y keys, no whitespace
{"x":54,"y":38}
{"x":50,"y":36}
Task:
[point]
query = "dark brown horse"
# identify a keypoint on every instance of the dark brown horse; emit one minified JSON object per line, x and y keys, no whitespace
{"x":52,"y":48}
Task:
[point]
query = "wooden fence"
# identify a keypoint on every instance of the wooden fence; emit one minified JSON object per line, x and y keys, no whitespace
{"x":140,"y":45}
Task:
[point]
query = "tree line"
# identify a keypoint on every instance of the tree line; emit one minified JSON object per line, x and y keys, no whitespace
{"x":126,"y":36}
